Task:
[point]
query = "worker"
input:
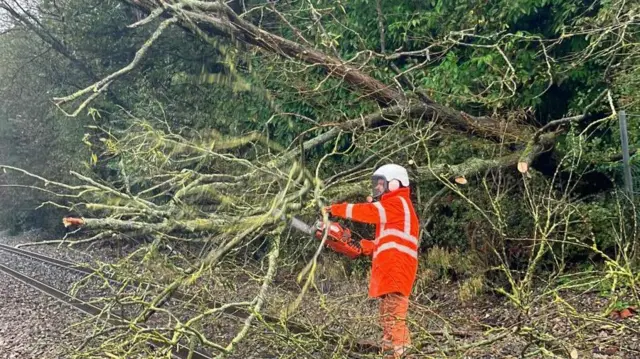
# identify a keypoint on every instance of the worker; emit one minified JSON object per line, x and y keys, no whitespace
{"x":394,"y":251}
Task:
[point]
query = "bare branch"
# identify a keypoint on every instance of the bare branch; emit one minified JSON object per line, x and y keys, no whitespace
{"x":103,"y":84}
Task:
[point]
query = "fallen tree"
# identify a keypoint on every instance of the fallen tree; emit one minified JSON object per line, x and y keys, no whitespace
{"x":207,"y":19}
{"x":220,"y":193}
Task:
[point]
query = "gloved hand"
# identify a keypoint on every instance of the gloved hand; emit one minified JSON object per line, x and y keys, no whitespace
{"x":367,"y":247}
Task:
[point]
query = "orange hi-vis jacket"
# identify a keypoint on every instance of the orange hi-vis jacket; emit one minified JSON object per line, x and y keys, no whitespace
{"x":395,"y":248}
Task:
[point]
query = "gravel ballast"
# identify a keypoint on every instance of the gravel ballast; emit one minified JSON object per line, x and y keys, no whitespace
{"x":32,"y":324}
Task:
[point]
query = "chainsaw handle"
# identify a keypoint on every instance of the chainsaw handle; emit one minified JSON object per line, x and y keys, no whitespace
{"x":339,"y":240}
{"x":336,"y":232}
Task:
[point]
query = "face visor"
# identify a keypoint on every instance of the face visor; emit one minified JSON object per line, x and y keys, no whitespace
{"x":379,"y":185}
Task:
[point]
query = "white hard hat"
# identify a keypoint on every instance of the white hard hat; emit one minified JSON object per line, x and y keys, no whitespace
{"x":393,"y":172}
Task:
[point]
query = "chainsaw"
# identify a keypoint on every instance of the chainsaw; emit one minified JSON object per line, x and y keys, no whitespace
{"x":338,"y":238}
{"x":336,"y":232}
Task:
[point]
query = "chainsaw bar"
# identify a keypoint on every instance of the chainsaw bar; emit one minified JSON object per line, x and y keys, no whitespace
{"x":302,"y":226}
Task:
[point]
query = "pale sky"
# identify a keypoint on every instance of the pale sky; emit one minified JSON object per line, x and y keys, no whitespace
{"x":5,"y":20}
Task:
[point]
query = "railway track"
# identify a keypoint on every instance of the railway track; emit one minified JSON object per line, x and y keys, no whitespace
{"x":179,"y":296}
{"x":180,"y":352}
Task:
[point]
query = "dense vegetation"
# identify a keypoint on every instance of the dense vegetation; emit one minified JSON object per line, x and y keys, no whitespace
{"x":199,"y":124}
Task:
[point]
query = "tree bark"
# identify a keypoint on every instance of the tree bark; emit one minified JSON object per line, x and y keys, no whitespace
{"x":187,"y":226}
{"x":460,"y":172}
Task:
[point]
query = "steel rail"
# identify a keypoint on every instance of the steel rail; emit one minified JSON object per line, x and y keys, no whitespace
{"x":179,"y":351}
{"x":237,"y":312}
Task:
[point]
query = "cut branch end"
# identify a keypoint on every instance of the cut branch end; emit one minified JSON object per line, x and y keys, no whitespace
{"x":70,"y":221}
{"x":523,"y":167}
{"x":461,"y":180}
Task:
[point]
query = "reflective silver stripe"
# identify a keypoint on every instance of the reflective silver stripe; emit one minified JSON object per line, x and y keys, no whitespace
{"x":383,"y":219}
{"x":400,"y":234}
{"x":381,"y":212}
{"x":407,"y":216}
{"x":406,"y":235}
{"x":399,"y":247}
{"x":349,"y":211}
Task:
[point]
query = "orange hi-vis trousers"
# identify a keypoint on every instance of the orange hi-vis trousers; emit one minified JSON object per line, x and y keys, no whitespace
{"x":393,"y":317}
